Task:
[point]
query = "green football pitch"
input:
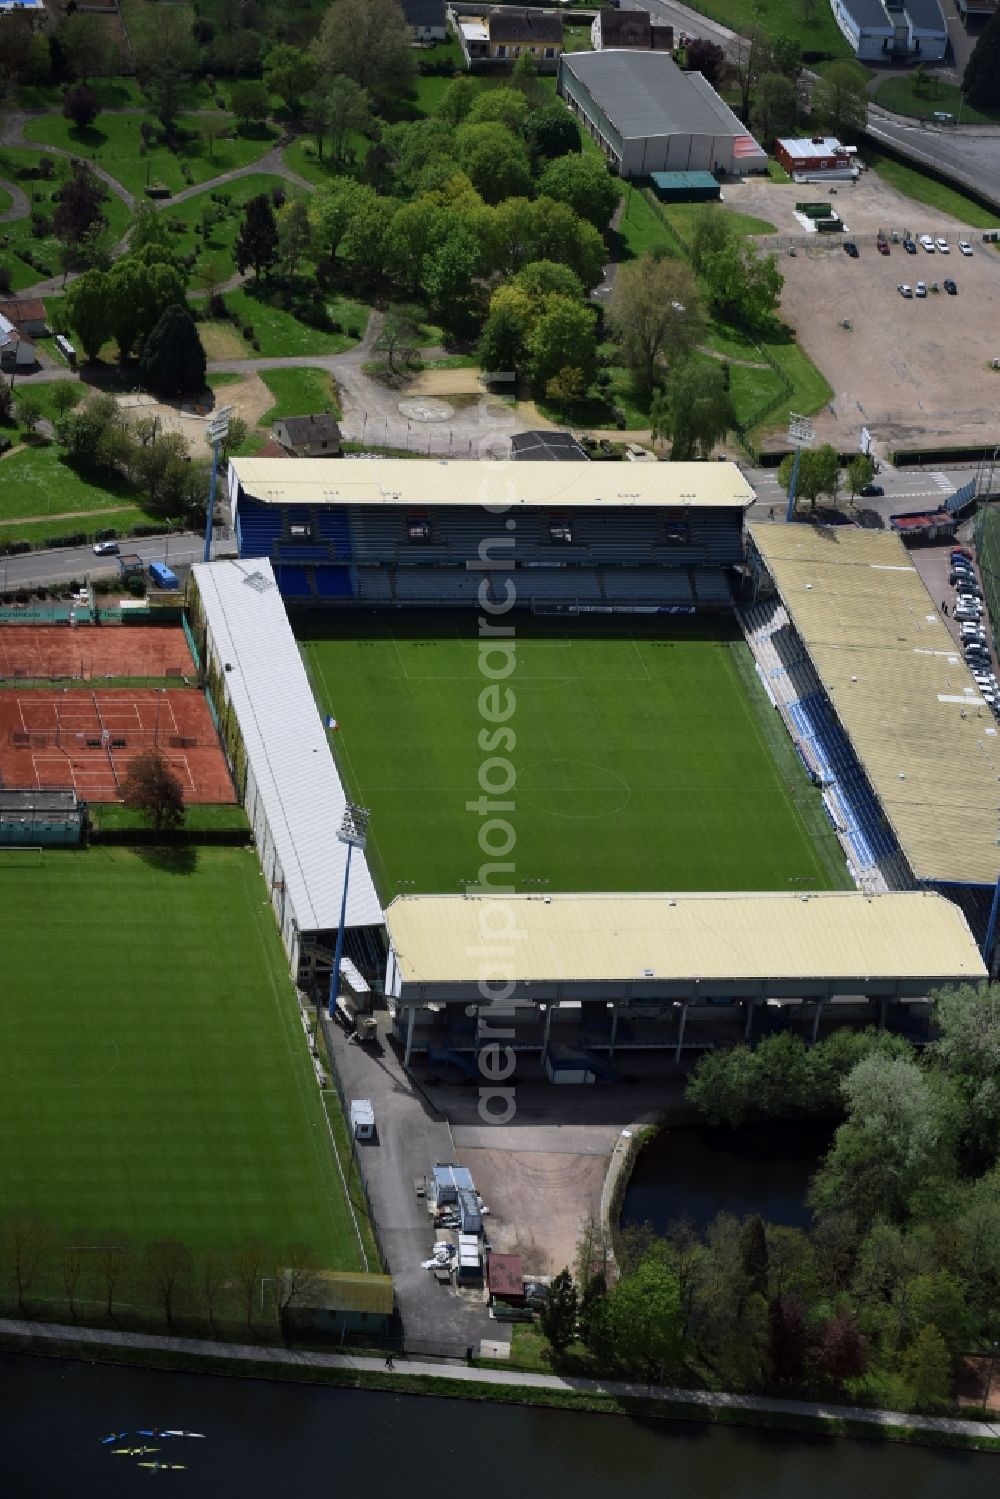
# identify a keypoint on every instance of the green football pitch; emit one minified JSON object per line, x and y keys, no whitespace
{"x":647,"y":756}
{"x":154,"y":1077}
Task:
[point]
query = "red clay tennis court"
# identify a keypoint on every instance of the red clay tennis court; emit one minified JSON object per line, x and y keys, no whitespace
{"x":86,"y":740}
{"x":92,"y":651}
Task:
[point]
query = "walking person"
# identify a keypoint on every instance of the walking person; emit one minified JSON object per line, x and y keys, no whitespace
{"x":389,"y":1362}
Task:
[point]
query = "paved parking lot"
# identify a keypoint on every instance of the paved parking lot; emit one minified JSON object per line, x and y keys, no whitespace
{"x":915,"y":372}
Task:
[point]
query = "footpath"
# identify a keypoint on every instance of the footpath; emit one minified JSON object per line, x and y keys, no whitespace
{"x":36,"y":1334}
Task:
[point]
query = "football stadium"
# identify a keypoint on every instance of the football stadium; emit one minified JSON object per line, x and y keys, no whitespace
{"x":594,"y":694}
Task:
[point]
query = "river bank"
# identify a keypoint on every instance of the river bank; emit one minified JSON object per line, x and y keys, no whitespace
{"x":500,"y":1386}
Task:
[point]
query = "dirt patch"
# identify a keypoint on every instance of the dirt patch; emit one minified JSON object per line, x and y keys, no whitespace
{"x":445,"y":383}
{"x":547,"y":1196}
{"x":221,"y":341}
{"x":250,"y":396}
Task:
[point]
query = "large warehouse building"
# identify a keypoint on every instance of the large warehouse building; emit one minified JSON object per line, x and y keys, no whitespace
{"x":649,"y":116}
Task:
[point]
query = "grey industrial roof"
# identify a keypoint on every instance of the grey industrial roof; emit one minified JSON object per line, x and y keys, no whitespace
{"x":646,"y":94}
{"x":12,"y":799}
{"x":926,"y":14}
{"x":424,"y":12}
{"x":287,"y":747}
{"x":305,"y":429}
{"x":510,"y":25}
{"x":868,"y":14}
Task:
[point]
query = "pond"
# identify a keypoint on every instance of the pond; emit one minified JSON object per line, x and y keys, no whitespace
{"x":760,"y":1168}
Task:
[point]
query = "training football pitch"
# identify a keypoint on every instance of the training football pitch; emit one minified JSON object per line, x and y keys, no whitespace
{"x":646,"y":754}
{"x":154,"y":1076}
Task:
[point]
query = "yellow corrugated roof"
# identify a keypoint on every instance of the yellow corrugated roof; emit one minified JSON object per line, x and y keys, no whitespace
{"x":400,"y":481}
{"x":900,"y":688}
{"x":438,"y":939}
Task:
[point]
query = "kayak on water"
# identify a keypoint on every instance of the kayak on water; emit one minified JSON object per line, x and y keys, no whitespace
{"x":116,"y":1436}
{"x":163,"y":1467}
{"x":132,"y":1451}
{"x":181,"y":1434}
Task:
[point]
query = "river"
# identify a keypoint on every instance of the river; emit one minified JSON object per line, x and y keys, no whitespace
{"x":267,"y":1441}
{"x":762,"y":1168}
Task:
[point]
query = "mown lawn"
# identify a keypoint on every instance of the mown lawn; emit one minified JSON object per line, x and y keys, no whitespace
{"x":20,"y":235}
{"x":279,"y":333}
{"x":900,"y":95}
{"x":298,"y":393}
{"x":37,"y":483}
{"x":226,"y":215}
{"x":923,"y":189}
{"x":780,"y":18}
{"x":684,"y":216}
{"x":115,"y":143}
{"x":178,"y":1100}
{"x":678,"y":785}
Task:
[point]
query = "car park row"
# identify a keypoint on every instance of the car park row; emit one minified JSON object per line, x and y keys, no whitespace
{"x":968,"y":612}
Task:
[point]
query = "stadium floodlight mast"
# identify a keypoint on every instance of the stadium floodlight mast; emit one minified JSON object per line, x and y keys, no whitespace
{"x":215,"y":434}
{"x":800,"y":434}
{"x":354,"y":833}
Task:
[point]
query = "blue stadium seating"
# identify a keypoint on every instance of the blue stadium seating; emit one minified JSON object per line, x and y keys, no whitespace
{"x":333,"y":582}
{"x":850,"y":800}
{"x":259,"y":529}
{"x":294,"y":582}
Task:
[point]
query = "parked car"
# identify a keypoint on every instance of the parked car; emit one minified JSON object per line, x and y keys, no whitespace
{"x":882,"y":246}
{"x":944,"y":247}
{"x":904,"y":290}
{"x":871,"y":491}
{"x":950,"y":287}
{"x":927,"y":243}
{"x":965,"y":247}
{"x":960,"y":552}
{"x":920,"y":290}
{"x":909,"y":247}
{"x":106,"y":548}
{"x":959,"y":575}
{"x":851,"y":249}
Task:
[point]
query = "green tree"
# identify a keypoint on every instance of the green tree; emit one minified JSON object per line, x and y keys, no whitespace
{"x":64,"y":395}
{"x":969,"y":1049}
{"x":369,"y":41}
{"x":81,"y":105}
{"x":79,"y":206}
{"x":585,"y":184}
{"x":753,"y":1255}
{"x":249,"y":102}
{"x":860,"y":472}
{"x":504,"y":106}
{"x":331,"y":209}
{"x":495,"y":160}
{"x":150,"y":787}
{"x":148,"y":227}
{"x":257,"y":240}
{"x":775,"y":107}
{"x":29,"y":412}
{"x":398,"y":340}
{"x":90,"y":434}
{"x":655,"y":313}
{"x":819,"y":473}
{"x":448,"y":271}
{"x":164,"y":90}
{"x":742,"y":286}
{"x":173,"y":360}
{"x":293,"y":235}
{"x":458,"y":98}
{"x":841,"y":1349}
{"x":87,"y":308}
{"x":927,"y":1368}
{"x":85,"y":45}
{"x":291,"y":74}
{"x":698,"y":412}
{"x":348,"y":112}
{"x":752,"y":60}
{"x":551,"y":132}
{"x":563,"y":337}
{"x":557,"y":1318}
{"x":639,"y":1320}
{"x":840,"y":99}
{"x":365,"y":244}
{"x":503,"y":341}
{"x":789,"y":1341}
{"x":524,"y":76}
{"x":711,"y":232}
{"x":981,"y":81}
{"x":168,"y":1268}
{"x":899,"y":1132}
{"x":545,"y":278}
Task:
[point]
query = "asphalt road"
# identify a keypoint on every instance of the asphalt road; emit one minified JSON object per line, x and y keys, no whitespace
{"x":905,"y":489}
{"x":65,"y":564}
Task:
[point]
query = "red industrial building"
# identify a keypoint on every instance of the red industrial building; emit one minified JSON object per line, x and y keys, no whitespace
{"x":816,"y":155}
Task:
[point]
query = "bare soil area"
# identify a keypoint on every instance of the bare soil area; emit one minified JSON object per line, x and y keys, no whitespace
{"x":546,"y":1197}
{"x":250,"y":396}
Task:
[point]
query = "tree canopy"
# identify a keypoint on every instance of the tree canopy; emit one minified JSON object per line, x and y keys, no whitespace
{"x":173,"y":361}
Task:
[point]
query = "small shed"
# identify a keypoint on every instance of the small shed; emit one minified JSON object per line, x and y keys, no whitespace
{"x":316,"y":436}
{"x":505,"y":1278}
{"x":447,"y":1182}
{"x":685,"y":187}
{"x":469,"y":1264}
{"x":362,"y":1119}
{"x":342,"y":1302}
